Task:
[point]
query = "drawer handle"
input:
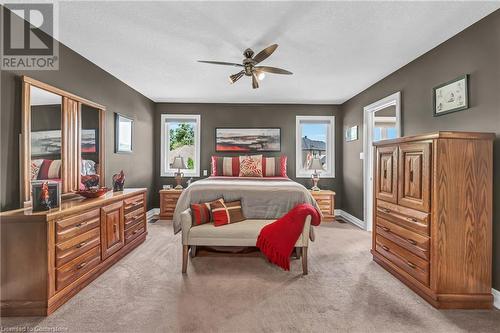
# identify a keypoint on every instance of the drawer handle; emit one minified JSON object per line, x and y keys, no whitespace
{"x":412,"y":219}
{"x":136,"y":231}
{"x":81,"y":224}
{"x":80,"y":245}
{"x":80,"y":266}
{"x":386,"y":229}
{"x":386,"y":248}
{"x":411,"y":241}
{"x":385,"y":210}
{"x":412,"y":265}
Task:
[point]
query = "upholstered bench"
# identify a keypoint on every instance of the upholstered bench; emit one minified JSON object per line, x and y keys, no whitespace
{"x":242,"y":233}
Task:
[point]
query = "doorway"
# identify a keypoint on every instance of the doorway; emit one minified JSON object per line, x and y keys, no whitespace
{"x":381,"y":121}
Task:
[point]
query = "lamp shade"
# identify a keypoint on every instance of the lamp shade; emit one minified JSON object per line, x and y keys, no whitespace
{"x":316,"y":164}
{"x":179,"y":163}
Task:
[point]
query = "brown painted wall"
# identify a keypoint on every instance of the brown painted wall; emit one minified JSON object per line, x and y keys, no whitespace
{"x":81,"y":77}
{"x":476,"y":51}
{"x":252,"y":115}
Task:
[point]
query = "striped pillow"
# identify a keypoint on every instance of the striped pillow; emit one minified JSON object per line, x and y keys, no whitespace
{"x":201,"y":213}
{"x":226,"y":212}
{"x":230,"y":166}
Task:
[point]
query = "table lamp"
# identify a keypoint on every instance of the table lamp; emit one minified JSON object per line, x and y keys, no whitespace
{"x":315,"y":165}
{"x":179,"y":164}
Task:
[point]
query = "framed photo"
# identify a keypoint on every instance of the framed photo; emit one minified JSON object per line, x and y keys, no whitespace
{"x":124,"y":127}
{"x":451,"y":96}
{"x":248,"y":140}
{"x":351,"y":134}
{"x":54,"y":200}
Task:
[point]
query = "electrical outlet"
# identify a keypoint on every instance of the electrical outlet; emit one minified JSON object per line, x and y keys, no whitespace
{"x":205,"y":172}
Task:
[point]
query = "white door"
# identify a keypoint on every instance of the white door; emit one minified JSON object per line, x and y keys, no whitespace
{"x":382,"y":120}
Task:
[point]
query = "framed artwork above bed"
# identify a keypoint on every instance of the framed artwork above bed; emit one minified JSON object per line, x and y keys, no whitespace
{"x":248,"y":140}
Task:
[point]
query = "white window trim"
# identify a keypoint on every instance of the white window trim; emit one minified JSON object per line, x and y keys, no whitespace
{"x":165,"y":138}
{"x":331,"y":154}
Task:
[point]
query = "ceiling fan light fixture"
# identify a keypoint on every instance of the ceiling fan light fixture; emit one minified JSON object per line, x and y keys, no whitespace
{"x":261,"y":75}
{"x":235,"y":77}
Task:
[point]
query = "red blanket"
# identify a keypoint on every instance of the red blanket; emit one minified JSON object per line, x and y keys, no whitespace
{"x":277,"y":240}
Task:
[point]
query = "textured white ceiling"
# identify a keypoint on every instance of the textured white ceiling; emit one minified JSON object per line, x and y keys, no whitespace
{"x":334,"y":49}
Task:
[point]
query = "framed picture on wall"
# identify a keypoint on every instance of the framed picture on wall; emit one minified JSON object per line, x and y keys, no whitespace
{"x":451,"y":96}
{"x":248,"y":140}
{"x":351,"y":133}
{"x":124,"y":127}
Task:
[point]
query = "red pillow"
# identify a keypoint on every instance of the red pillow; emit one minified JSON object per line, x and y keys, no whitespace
{"x":201,"y":213}
{"x":230,"y":166}
{"x":226,"y":212}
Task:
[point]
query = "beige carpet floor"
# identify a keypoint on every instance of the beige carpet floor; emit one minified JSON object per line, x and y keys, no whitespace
{"x":345,"y":291}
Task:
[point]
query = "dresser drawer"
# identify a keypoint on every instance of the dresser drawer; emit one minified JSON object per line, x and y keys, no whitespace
{"x":129,"y":223}
{"x":134,"y":214}
{"x":76,"y":246}
{"x":410,"y":240}
{"x":133,"y":203}
{"x":404,"y":259}
{"x":134,"y":232}
{"x":409,"y":218}
{"x":75,"y":225}
{"x":77,"y":267}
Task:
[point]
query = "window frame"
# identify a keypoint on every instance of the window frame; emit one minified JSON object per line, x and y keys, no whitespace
{"x":330,"y":146}
{"x":165,"y":137}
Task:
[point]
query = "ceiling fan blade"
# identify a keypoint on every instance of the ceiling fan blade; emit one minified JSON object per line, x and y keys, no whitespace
{"x":221,"y":63}
{"x":255,"y":81}
{"x":262,"y":55}
{"x":235,"y":77}
{"x":273,"y":70}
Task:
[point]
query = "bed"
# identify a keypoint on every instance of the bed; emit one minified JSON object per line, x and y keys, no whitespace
{"x":261,"y":197}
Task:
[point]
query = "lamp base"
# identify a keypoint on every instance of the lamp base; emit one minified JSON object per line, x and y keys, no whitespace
{"x":315,"y":180}
{"x":178,"y":180}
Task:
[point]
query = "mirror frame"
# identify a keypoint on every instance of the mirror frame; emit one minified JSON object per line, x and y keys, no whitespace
{"x":70,"y":139}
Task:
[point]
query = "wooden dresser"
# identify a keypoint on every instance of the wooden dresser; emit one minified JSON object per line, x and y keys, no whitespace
{"x":168,"y":201}
{"x":47,"y":257}
{"x":326,"y":203}
{"x":432,"y":224}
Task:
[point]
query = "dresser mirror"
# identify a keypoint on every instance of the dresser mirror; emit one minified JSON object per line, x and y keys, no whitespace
{"x":62,"y":139}
{"x":46,"y":136}
{"x":90,"y":147}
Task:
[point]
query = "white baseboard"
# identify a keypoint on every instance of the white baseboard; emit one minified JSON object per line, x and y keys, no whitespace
{"x":496,"y":298}
{"x":350,"y":218}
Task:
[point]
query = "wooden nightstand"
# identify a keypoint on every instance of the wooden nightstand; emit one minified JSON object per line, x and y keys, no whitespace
{"x":326,"y":202}
{"x":168,"y":201}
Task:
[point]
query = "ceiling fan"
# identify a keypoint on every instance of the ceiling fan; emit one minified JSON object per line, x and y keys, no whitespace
{"x":250,"y":67}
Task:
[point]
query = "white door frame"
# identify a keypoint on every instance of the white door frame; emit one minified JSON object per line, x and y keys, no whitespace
{"x":368,"y":112}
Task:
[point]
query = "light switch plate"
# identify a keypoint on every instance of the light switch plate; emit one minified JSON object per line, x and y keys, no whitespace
{"x":362,"y":156}
{"x":205,"y":172}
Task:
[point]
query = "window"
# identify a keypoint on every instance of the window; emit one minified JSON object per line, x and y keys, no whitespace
{"x":315,"y":137}
{"x":180,"y":136}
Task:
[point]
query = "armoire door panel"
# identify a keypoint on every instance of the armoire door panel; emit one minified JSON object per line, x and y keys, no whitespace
{"x":414,"y":175}
{"x":112,"y":229}
{"x":386,"y":178}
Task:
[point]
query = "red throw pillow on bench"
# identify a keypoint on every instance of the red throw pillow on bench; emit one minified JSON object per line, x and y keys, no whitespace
{"x":226,"y":212}
{"x":201,"y":213}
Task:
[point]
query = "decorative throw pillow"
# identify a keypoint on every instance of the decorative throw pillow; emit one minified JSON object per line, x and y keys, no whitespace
{"x":35,"y":168}
{"x":251,"y":166}
{"x":226,"y":212}
{"x":201,"y":213}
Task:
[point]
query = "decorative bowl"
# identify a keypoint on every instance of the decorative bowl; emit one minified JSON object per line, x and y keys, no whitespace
{"x":93,"y":193}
